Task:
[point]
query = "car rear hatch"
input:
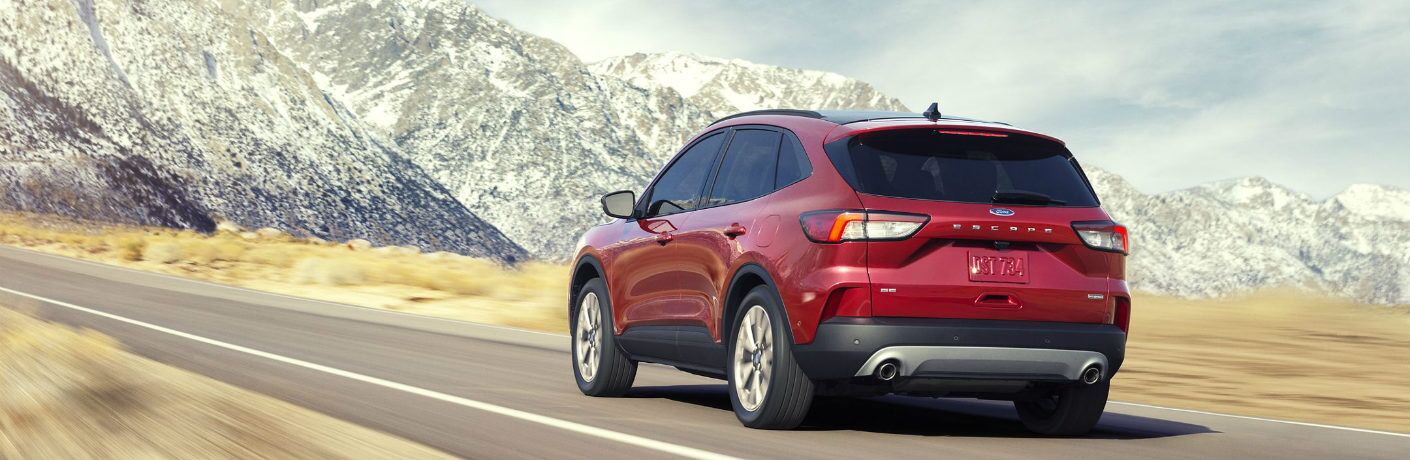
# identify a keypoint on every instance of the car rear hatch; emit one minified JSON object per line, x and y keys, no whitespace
{"x":999,"y":216}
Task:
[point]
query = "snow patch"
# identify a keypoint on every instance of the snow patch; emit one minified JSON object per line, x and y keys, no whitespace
{"x":1377,"y":202}
{"x":725,"y":86}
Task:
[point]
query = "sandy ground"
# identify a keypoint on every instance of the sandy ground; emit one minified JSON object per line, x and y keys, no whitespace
{"x":1274,"y":354}
{"x":76,"y":395}
{"x":1277,"y":354}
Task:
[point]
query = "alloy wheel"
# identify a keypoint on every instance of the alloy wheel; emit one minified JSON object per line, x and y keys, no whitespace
{"x":589,"y":336}
{"x":753,"y":357}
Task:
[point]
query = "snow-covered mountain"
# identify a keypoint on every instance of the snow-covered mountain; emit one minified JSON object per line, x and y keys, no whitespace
{"x":339,"y":93}
{"x":179,"y":112}
{"x":1249,"y":233}
{"x":514,"y":124}
{"x":408,"y":121}
{"x":525,"y":134}
{"x":726,"y":86}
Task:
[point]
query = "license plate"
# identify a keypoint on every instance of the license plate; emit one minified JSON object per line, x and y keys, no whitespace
{"x":998,"y":267}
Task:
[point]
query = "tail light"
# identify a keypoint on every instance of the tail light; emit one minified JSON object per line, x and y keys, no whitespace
{"x":972,"y":133}
{"x":1123,"y":314}
{"x":837,"y":226}
{"x":1103,"y":235}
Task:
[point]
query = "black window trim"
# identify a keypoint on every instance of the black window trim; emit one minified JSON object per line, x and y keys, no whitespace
{"x":709,"y":186}
{"x":788,"y":134}
{"x":644,"y":203}
{"x":719,"y":161}
{"x":1072,"y":158}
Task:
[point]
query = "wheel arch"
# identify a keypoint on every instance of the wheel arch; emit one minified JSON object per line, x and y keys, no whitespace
{"x":587,"y":269}
{"x":746,"y":278}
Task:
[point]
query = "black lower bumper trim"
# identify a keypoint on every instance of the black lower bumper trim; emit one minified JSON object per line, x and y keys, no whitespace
{"x":843,"y":344}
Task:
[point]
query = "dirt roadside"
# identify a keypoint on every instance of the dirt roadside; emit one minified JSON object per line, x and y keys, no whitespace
{"x":1281,"y":354}
{"x":72,"y":394}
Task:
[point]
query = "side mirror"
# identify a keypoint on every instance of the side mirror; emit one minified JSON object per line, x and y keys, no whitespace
{"x":619,"y":204}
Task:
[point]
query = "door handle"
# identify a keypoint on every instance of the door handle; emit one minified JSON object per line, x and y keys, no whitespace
{"x":664,"y":238}
{"x":734,"y":230}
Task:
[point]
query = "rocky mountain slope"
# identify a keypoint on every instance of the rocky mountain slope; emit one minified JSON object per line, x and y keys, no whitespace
{"x":172,"y":113}
{"x":525,"y":134}
{"x":512,"y":123}
{"x":408,"y":121}
{"x":1249,"y":233}
{"x":726,"y":86}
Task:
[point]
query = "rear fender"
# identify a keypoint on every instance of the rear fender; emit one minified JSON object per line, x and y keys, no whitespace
{"x":745,"y":278}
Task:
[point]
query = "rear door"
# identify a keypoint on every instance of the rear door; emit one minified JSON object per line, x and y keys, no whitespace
{"x":719,"y":232}
{"x":999,"y":243}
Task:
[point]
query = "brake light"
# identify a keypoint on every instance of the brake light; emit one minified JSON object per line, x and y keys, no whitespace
{"x":1103,"y":235}
{"x":836,"y":226}
{"x":972,"y":133}
{"x":1123,"y":314}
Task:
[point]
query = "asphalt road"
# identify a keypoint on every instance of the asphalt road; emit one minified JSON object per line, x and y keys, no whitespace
{"x":487,"y":392}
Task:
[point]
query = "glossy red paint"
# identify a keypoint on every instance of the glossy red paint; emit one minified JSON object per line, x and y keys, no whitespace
{"x":677,"y":270}
{"x":928,"y":276}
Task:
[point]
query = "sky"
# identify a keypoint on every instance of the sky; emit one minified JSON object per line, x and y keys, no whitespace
{"x":1314,"y":96}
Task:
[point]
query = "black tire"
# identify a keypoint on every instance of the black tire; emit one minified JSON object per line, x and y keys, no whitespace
{"x":1069,"y":410}
{"x":614,"y":372}
{"x":789,"y":392}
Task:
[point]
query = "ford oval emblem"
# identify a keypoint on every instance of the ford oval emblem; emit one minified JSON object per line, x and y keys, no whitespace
{"x":1001,"y":212}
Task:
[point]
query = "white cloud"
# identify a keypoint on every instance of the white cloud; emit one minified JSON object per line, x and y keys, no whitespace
{"x":1312,"y":95}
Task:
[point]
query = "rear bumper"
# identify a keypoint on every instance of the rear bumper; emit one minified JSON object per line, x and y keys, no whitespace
{"x":986,"y":363}
{"x":847,"y":347}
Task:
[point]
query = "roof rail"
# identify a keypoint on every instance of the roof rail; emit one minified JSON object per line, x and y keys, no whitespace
{"x":787,"y":112}
{"x":843,"y":117}
{"x":849,"y":117}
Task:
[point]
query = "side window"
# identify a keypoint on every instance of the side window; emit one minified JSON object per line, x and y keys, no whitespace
{"x":747,"y":171}
{"x":678,"y":190}
{"x":793,"y":164}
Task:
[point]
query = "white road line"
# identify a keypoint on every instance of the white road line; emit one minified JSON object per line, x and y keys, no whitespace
{"x":662,"y":446}
{"x":1261,"y":419}
{"x":237,"y":288}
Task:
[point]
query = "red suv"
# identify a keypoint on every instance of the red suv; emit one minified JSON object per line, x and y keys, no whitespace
{"x":799,"y":253}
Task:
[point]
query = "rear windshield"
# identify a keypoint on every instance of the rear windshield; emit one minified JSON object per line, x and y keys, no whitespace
{"x":969,"y":167}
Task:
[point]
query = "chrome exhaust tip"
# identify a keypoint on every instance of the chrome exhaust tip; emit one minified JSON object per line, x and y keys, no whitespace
{"x":1092,"y":375}
{"x":887,"y":371}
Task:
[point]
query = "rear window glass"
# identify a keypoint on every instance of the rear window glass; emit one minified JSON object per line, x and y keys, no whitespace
{"x":929,"y":164}
{"x":748,"y":169}
{"x":793,"y":164}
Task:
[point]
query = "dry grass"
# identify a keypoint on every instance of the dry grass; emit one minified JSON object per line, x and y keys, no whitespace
{"x":1273,"y":354}
{"x":1279,"y":355}
{"x":530,"y":295}
{"x":75,"y":395}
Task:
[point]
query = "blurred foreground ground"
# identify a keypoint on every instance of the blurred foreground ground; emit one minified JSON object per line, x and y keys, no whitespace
{"x":1283,"y":354}
{"x":75,"y":394}
{"x":395,"y":278}
{"x":1278,"y":354}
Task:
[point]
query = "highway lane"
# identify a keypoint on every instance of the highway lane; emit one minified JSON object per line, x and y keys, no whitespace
{"x":488,"y":392}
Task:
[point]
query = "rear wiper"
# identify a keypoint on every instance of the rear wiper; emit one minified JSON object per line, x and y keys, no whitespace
{"x":1023,"y":197}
